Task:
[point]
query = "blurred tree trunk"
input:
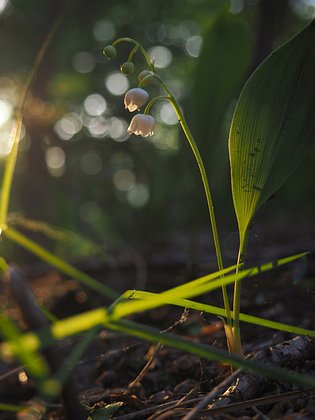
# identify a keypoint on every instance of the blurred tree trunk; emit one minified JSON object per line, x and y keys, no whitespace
{"x":271,"y":23}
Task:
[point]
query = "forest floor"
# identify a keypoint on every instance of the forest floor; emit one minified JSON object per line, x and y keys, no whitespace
{"x":174,"y":382}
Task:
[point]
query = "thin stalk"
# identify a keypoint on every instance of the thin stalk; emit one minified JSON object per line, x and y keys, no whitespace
{"x":204,"y":178}
{"x":11,"y":161}
{"x":132,"y":41}
{"x":237,"y":345}
{"x":157,"y":98}
{"x":134,"y":50}
{"x":53,"y":260}
{"x":198,"y":158}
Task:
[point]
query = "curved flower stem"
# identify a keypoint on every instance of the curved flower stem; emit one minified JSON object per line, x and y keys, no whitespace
{"x":145,"y":54}
{"x":204,"y":178}
{"x":133,"y":51}
{"x":157,"y":98}
{"x":198,"y":158}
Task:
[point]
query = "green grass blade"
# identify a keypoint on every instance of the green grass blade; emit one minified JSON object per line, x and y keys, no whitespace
{"x":273,"y":126}
{"x":70,"y":239}
{"x":183,"y":287}
{"x":83,"y":322}
{"x":211,"y":353}
{"x":63,"y":373}
{"x":61,"y":265}
{"x":123,"y":309}
{"x":35,"y":364}
{"x":10,"y":407}
{"x":16,"y":132}
{"x":214,"y":310}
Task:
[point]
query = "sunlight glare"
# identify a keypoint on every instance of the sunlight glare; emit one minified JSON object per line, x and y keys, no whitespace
{"x":5,"y":111}
{"x":3,"y":5}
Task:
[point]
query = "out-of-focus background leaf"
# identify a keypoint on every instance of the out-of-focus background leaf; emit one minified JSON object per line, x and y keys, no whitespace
{"x":221,"y":70}
{"x":79,"y":170}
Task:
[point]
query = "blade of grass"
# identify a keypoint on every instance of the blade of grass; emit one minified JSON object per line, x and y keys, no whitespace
{"x":53,"y":260}
{"x":16,"y":132}
{"x":183,"y":287}
{"x":11,"y":407}
{"x":71,"y":239}
{"x":63,"y":373}
{"x":78,"y":323}
{"x":211,"y":353}
{"x":36,"y":365}
{"x":214,"y":310}
{"x":123,"y":309}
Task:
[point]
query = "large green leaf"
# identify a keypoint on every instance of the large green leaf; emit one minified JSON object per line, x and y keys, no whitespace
{"x":273,"y":125}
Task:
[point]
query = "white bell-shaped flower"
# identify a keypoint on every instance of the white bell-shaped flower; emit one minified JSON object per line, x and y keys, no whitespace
{"x":135,"y":98}
{"x":142,"y":125}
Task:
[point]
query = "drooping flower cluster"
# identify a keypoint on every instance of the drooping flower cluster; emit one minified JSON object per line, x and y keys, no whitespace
{"x":141,"y":124}
{"x":135,"y":99}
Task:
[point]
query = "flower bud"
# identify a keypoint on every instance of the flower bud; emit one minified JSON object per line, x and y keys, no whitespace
{"x":127,"y":68}
{"x":142,"y":125}
{"x":135,"y":98}
{"x":145,"y":74}
{"x":110,"y":52}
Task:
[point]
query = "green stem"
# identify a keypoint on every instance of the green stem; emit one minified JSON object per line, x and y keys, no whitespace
{"x":11,"y":160}
{"x":204,"y":178}
{"x":133,"y":51}
{"x":132,"y":41}
{"x":157,"y":98}
{"x":53,"y":260}
{"x":237,"y":345}
{"x":199,"y":160}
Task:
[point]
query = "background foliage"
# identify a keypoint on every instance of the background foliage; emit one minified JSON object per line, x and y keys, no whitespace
{"x":79,"y":170}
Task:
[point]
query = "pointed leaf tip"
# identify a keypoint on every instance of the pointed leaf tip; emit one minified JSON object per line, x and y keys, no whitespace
{"x":273,"y":126}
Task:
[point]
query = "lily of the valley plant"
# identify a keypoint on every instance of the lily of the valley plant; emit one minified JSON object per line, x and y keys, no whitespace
{"x":143,"y":125}
{"x":274,"y":116}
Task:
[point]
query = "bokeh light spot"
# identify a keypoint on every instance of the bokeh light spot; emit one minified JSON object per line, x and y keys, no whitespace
{"x":117,"y":83}
{"x":167,"y":114}
{"x":303,"y":8}
{"x":23,"y":378}
{"x":193,"y":45}
{"x":138,"y":196}
{"x":162,"y":56}
{"x":98,"y":127}
{"x":69,"y":125}
{"x":124,"y":180}
{"x":7,"y":132}
{"x":104,"y":30}
{"x":55,"y":161}
{"x":91,"y":163}
{"x":83,"y":62}
{"x":95,"y":104}
{"x":3,"y":5}
{"x":118,"y":129}
{"x":5,"y":111}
